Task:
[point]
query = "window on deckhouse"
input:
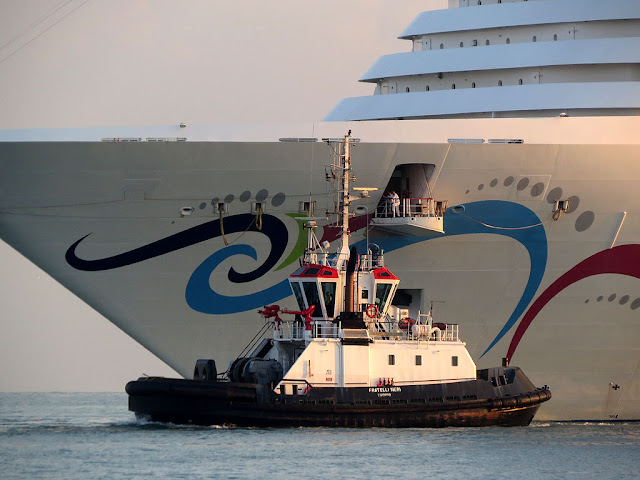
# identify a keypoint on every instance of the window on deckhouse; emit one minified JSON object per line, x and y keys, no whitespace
{"x":297,"y":291}
{"x":329,"y":295}
{"x":382,"y":295}
{"x":311,"y":291}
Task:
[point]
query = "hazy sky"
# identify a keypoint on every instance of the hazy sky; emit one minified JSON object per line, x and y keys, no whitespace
{"x":74,"y":63}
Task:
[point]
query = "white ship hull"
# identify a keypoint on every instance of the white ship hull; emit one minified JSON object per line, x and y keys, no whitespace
{"x":514,"y":291}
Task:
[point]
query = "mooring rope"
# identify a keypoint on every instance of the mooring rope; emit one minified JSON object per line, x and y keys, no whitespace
{"x":222,"y":229}
{"x":501,"y":228}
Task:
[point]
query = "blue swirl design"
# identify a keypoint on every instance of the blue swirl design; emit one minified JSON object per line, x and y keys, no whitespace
{"x":272,"y":227}
{"x":202,"y":298}
{"x":499,"y":214}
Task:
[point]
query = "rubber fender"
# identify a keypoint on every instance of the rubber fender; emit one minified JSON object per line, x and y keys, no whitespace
{"x":535,"y":397}
{"x":524,"y":400}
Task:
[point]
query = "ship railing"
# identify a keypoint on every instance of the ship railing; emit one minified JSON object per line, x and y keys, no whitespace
{"x":450,"y":333}
{"x":295,"y":330}
{"x":388,"y":329}
{"x":317,"y":258}
{"x":412,"y":207}
{"x":439,"y":332}
{"x":289,"y":330}
{"x":369,"y":262}
{"x":325,"y":330}
{"x":420,"y":331}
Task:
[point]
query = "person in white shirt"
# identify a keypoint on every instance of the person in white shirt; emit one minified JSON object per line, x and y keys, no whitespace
{"x":395,"y":203}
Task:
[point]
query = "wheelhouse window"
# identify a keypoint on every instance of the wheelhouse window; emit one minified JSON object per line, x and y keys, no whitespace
{"x":382,"y":295}
{"x":329,"y":295}
{"x":311,"y":291}
{"x":297,"y":292}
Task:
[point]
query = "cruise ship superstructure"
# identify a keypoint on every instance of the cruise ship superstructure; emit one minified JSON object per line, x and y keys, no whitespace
{"x":513,"y":123}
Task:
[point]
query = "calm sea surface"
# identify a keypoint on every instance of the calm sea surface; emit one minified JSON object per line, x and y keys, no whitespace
{"x":92,"y":435}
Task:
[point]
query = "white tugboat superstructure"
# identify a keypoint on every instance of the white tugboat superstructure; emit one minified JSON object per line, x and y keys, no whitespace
{"x":398,"y":351}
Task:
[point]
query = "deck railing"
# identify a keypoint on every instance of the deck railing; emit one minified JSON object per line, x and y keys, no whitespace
{"x":295,"y":330}
{"x":411,"y":330}
{"x":411,"y":207}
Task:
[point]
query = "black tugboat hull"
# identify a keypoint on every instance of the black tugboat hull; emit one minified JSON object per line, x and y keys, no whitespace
{"x":476,"y":403}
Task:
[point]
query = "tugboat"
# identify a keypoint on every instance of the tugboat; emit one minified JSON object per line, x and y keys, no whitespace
{"x":346,"y":357}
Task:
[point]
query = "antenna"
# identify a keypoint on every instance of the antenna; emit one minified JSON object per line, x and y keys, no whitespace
{"x":431,"y":306}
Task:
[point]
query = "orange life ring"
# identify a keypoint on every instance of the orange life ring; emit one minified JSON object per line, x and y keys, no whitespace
{"x":372,"y":311}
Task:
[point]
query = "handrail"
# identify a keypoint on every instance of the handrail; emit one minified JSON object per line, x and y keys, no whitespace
{"x":294,"y":330}
{"x":254,"y":341}
{"x":411,"y":207}
{"x":450,"y":332}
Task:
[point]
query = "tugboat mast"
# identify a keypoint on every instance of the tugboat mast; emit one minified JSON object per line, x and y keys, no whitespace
{"x":341,"y":175}
{"x":346,"y":173}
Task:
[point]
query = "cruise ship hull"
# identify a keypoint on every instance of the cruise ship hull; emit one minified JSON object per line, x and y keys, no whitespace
{"x":133,"y":229}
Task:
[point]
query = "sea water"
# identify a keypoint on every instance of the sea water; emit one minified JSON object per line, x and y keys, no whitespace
{"x":93,"y":436}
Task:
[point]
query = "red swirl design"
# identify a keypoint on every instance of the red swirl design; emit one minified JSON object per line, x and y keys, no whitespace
{"x":622,"y":260}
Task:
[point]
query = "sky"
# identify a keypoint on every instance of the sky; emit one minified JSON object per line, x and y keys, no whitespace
{"x":81,"y":63}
